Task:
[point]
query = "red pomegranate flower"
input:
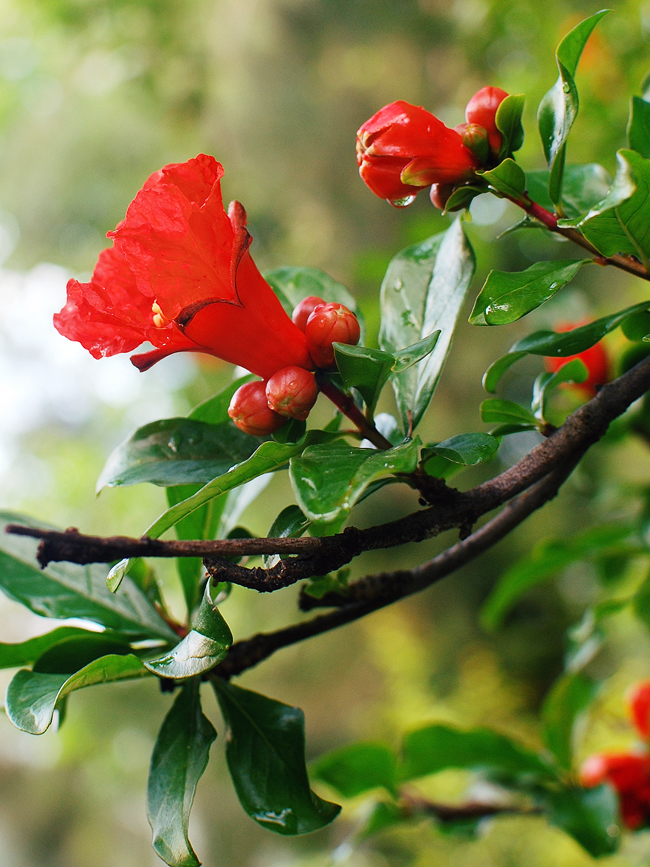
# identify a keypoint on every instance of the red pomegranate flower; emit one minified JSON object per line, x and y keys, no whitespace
{"x":403,"y":148}
{"x":180,"y":276}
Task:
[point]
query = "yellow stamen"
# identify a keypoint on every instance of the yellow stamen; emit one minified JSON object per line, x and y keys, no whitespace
{"x":159,"y":318}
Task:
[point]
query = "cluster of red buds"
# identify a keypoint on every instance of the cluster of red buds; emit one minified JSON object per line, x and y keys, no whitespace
{"x":628,"y":773}
{"x":261,"y":408}
{"x":403,"y":148}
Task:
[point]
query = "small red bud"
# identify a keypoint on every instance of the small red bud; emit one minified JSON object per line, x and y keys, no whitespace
{"x":303,"y":310}
{"x":482,"y":110}
{"x":439,"y":194}
{"x":331,"y":323}
{"x":292,"y":392}
{"x":475,"y":138}
{"x":639,"y":702}
{"x":250,"y":411}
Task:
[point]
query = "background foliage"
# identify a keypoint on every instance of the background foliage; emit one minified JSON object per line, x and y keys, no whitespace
{"x":96,"y":95}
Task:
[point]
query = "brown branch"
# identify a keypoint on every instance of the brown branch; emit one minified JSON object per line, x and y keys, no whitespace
{"x":414,"y":805}
{"x":377,"y":591}
{"x":348,"y":407}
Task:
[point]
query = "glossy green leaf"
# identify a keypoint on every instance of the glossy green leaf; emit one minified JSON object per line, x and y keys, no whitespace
{"x":590,"y":816}
{"x":638,"y":128}
{"x":358,"y":768}
{"x":27,"y":652}
{"x":583,"y":187}
{"x":329,"y":479}
{"x":620,"y":223}
{"x":546,"y":383}
{"x":265,"y":751}
{"x":32,"y":696}
{"x":423,"y":292}
{"x":462,"y":197}
{"x":365,"y":369}
{"x":204,"y":646}
{"x":569,"y":697}
{"x":559,"y":107}
{"x":497,"y":411}
{"x":507,"y":178}
{"x":544,"y":562}
{"x":65,"y":590}
{"x":507,"y":296}
{"x":292,"y":285}
{"x":436,"y":748}
{"x":176,"y":451}
{"x":73,"y":653}
{"x":406,"y":358}
{"x":558,"y":344}
{"x":179,"y":759}
{"x":637,"y":326}
{"x":468,"y":449}
{"x":508,"y":122}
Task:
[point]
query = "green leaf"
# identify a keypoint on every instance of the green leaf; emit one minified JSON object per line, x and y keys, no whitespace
{"x":358,"y":768}
{"x":27,"y":652}
{"x":406,"y":358}
{"x":544,"y":385}
{"x":494,"y":410}
{"x":544,"y":562}
{"x":638,"y":128}
{"x":176,"y":451}
{"x":329,"y":479}
{"x":265,"y":751}
{"x":641,"y":602}
{"x":508,"y":121}
{"x":384,"y":814}
{"x":76,"y":651}
{"x":65,"y":590}
{"x":507,"y":296}
{"x":507,"y":178}
{"x":292,"y":285}
{"x":463,"y":196}
{"x":202,"y":648}
{"x":590,"y":816}
{"x":436,"y":748}
{"x":468,"y":449}
{"x":32,"y":696}
{"x":559,"y":107}
{"x":179,"y":759}
{"x":568,"y":699}
{"x":365,"y":369}
{"x":620,"y":223}
{"x":423,"y":292}
{"x":558,"y":345}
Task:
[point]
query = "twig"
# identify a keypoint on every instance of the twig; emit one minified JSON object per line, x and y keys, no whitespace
{"x":348,"y":407}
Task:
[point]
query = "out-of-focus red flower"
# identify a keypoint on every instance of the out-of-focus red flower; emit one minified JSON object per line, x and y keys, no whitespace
{"x":180,"y":277}
{"x":639,"y":704}
{"x":629,"y":775}
{"x":482,"y":110}
{"x":403,"y":148}
{"x":595,"y":360}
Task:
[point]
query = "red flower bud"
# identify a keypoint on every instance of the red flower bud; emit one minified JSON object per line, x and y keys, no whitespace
{"x":439,"y":194}
{"x":629,"y":774}
{"x":595,"y":360}
{"x":331,"y":323}
{"x":639,"y":703}
{"x":475,"y":138}
{"x":482,"y":110}
{"x":303,"y":310}
{"x":404,"y":148}
{"x":250,"y":411}
{"x":292,"y":392}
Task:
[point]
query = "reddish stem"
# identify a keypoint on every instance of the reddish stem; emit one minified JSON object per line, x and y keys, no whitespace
{"x":348,"y":407}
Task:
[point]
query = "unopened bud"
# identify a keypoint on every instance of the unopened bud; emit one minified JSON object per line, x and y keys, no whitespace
{"x":482,"y":110}
{"x":303,"y":310}
{"x":439,"y":194}
{"x":292,"y":392}
{"x":475,"y":138}
{"x":250,"y":411}
{"x":331,"y":323}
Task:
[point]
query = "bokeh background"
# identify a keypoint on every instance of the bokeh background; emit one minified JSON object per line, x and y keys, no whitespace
{"x":97,"y":94}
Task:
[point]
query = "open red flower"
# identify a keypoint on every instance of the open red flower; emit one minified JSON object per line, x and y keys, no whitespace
{"x":180,"y":277}
{"x":403,"y":148}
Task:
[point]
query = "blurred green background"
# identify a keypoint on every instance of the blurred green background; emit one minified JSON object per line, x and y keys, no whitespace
{"x":97,"y":94}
